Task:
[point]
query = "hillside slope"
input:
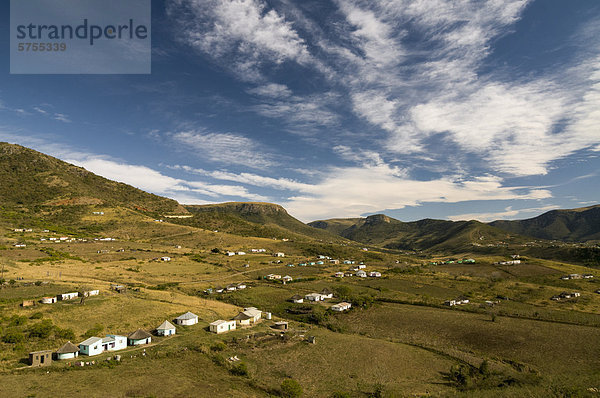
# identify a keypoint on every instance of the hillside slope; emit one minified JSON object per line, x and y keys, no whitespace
{"x":575,"y":225}
{"x":253,"y":219}
{"x":384,"y":231}
{"x":30,"y":178}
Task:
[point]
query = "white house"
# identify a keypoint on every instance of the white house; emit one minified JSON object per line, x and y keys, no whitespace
{"x":165,"y":259}
{"x":222,"y":326}
{"x":361,"y":266}
{"x":339,"y":274}
{"x":231,"y":288}
{"x":375,"y":274}
{"x":165,"y":329}
{"x":91,"y":346}
{"x":48,"y":300}
{"x":287,"y":278}
{"x":67,"y":296}
{"x":187,"y":319}
{"x":326,"y":294}
{"x":67,"y":351}
{"x":296,"y":298}
{"x":279,"y":254}
{"x":114,"y":342}
{"x":240,"y":253}
{"x":361,"y":274}
{"x":91,"y":293}
{"x":139,"y":337}
{"x":450,"y":303}
{"x":230,"y":254}
{"x":273,"y":276}
{"x":343,"y":306}
{"x":241,"y":286}
{"x":313,"y":297}
{"x":254,"y":313}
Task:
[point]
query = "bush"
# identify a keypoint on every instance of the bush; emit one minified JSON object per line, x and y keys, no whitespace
{"x":42,"y":330}
{"x":218,"y":346}
{"x":13,"y":337}
{"x":239,"y":370}
{"x":17,"y":320}
{"x":340,"y":394}
{"x":290,"y":388}
{"x":36,"y":315}
{"x":66,"y":334}
{"x":97,"y":329}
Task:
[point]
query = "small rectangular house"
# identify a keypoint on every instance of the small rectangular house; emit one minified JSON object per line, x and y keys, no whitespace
{"x":91,"y":346}
{"x":254,"y":313}
{"x":339,"y":274}
{"x":326,"y":294}
{"x":91,"y":293}
{"x":165,"y":259}
{"x":67,"y":351}
{"x":361,"y":274}
{"x":187,"y":319}
{"x":40,"y":358}
{"x":48,"y":300}
{"x":222,"y":326}
{"x":375,"y":274}
{"x":114,"y":342}
{"x":279,"y":254}
{"x":67,"y":296}
{"x":287,"y":279}
{"x":28,"y":303}
{"x":139,"y":337}
{"x":165,"y":329}
{"x":343,"y":306}
{"x":313,"y":297}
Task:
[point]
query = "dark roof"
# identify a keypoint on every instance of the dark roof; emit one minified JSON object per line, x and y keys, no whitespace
{"x":241,"y":317}
{"x":67,"y":348}
{"x":139,"y":334}
{"x":326,"y":291}
{"x":297,"y":297}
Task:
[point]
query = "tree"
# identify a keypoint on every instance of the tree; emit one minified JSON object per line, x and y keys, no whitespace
{"x":290,"y":388}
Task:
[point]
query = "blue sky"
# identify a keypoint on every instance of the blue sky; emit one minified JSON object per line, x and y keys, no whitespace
{"x":440,"y":109}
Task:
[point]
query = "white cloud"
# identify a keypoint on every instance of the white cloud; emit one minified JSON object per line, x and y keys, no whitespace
{"x":353,"y":191}
{"x":244,"y":32}
{"x":225,"y":148}
{"x":61,"y":118}
{"x":508,"y":213}
{"x":271,"y":90}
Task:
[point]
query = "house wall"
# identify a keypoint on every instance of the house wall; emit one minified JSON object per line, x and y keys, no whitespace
{"x":187,"y":322}
{"x":140,"y":342}
{"x":91,"y":350}
{"x":68,"y":355}
{"x":43,"y":358}
{"x":167,"y":332}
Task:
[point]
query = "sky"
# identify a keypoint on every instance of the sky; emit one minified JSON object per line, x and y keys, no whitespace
{"x":339,"y":108}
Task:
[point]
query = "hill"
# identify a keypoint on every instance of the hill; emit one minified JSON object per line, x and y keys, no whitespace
{"x":30,"y":178}
{"x":253,"y":219}
{"x":384,"y":231}
{"x":574,"y":225}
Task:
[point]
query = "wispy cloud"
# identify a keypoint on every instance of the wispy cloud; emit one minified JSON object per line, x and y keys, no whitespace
{"x":508,"y":213}
{"x":224,"y":148}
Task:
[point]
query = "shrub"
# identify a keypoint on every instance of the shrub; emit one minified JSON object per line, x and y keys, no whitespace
{"x":13,"y":337}
{"x":66,"y":334}
{"x":290,"y":388}
{"x":36,"y":315}
{"x":97,"y":329}
{"x":239,"y":370}
{"x":42,"y":329}
{"x":218,"y":346}
{"x":17,"y":320}
{"x":340,"y":394}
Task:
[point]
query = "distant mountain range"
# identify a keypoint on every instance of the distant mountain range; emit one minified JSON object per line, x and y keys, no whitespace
{"x":37,"y":185}
{"x":575,"y":225}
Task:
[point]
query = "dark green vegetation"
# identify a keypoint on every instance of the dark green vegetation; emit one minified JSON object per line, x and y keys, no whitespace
{"x":428,"y":234}
{"x":38,"y":182}
{"x":575,"y":225}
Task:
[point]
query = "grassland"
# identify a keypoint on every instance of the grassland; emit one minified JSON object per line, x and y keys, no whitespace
{"x":398,"y":340}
